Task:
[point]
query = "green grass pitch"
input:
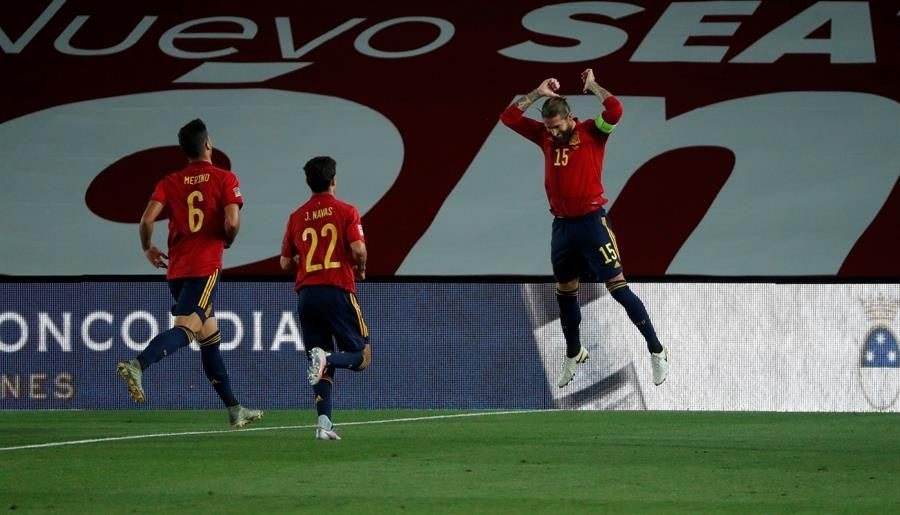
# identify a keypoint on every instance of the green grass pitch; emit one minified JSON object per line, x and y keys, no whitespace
{"x":535,"y":462}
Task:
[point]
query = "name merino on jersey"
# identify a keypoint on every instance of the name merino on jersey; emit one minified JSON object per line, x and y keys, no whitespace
{"x":195,"y":200}
{"x":319,"y":234}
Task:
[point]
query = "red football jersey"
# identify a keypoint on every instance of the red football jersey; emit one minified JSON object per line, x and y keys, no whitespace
{"x":573,"y":171}
{"x":320,"y":233}
{"x":195,"y":199}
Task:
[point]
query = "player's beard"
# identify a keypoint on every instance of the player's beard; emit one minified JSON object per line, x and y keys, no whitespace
{"x":563,"y":137}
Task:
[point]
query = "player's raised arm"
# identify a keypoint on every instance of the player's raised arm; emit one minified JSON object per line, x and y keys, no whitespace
{"x":547,"y":88}
{"x":155,"y":256}
{"x":513,"y":117}
{"x":590,"y":85}
{"x":612,"y":113}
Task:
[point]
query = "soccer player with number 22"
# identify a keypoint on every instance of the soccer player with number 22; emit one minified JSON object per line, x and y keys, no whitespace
{"x":324,"y":243}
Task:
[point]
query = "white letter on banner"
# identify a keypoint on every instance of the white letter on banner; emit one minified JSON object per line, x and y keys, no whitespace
{"x":89,"y":342}
{"x":362,"y":41}
{"x":595,"y":40}
{"x":257,"y":331}
{"x":63,"y":337}
{"x":851,"y":38}
{"x":287,"y":332}
{"x":63,"y":42}
{"x":167,"y":41}
{"x":235,"y":320}
{"x":666,"y":41}
{"x":126,"y":329}
{"x":14,"y":47}
{"x":286,"y":37}
{"x":19,"y":320}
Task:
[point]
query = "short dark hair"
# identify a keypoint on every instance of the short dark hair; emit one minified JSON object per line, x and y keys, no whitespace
{"x":319,"y":173}
{"x":192,"y":138}
{"x":555,"y":106}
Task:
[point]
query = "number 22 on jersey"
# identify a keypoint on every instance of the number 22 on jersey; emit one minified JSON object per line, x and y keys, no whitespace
{"x":328,"y":231}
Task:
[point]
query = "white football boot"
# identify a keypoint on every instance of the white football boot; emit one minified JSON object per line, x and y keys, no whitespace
{"x":569,"y":366}
{"x":240,"y":416}
{"x":325,"y":429}
{"x":317,"y":362}
{"x":130,"y":371}
{"x":660,"y":364}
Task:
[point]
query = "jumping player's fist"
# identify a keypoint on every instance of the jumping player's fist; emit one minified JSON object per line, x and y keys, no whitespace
{"x":587,"y":77}
{"x":548,"y":88}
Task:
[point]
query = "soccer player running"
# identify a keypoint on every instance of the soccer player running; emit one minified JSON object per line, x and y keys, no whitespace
{"x":582,"y":244}
{"x":203,"y":204}
{"x":324,"y":243}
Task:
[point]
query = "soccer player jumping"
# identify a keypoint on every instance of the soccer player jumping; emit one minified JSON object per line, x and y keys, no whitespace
{"x":203,"y":203}
{"x":582,"y":243}
{"x":324,"y":243}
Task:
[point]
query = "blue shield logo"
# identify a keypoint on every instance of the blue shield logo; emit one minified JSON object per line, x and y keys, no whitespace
{"x":879,"y":368}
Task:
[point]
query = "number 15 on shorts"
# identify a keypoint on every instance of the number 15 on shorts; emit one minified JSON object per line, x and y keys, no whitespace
{"x":609,"y":253}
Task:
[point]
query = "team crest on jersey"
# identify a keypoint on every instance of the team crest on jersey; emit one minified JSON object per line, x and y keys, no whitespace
{"x":879,"y":360}
{"x":237,"y":192}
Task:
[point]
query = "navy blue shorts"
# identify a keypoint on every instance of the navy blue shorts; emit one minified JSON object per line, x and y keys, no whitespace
{"x":194,"y":295}
{"x":584,"y":247}
{"x":330,"y":315}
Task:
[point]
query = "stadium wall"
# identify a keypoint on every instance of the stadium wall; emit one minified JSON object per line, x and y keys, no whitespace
{"x":759,"y":138}
{"x":755,"y":346}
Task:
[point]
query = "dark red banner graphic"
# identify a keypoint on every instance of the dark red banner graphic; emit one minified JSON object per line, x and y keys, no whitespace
{"x":758,"y":138}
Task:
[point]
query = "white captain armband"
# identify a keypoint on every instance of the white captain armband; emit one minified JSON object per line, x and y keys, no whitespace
{"x":604,"y":127}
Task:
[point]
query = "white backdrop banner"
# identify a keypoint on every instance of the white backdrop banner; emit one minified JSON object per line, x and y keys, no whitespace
{"x":742,"y":347}
{"x":445,"y":345}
